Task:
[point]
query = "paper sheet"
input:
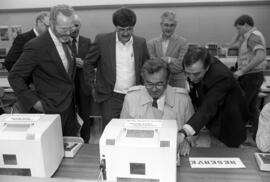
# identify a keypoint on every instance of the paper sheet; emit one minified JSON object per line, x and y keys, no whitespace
{"x":211,"y":162}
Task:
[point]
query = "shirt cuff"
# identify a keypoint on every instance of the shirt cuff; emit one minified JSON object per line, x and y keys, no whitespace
{"x":169,"y":60}
{"x":190,"y":131}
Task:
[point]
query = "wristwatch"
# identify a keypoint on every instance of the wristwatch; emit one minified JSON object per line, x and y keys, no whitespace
{"x":183,"y":131}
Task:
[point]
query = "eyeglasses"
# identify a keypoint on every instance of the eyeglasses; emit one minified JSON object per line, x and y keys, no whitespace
{"x":122,"y":29}
{"x":63,"y":29}
{"x":158,"y":85}
{"x":171,"y":25}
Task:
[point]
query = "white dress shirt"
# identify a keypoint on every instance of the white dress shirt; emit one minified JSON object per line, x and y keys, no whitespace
{"x":60,"y":49}
{"x":125,"y":66}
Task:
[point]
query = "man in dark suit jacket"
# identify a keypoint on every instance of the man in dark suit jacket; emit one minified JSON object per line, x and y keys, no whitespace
{"x":84,"y":101}
{"x":219,"y":102}
{"x":118,"y":57}
{"x":48,"y":61}
{"x":42,"y":24}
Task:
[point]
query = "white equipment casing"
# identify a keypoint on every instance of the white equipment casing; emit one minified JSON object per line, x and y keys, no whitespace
{"x":140,"y":149}
{"x":30,"y":144}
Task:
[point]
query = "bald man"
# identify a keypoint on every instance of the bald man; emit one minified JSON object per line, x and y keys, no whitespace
{"x":42,"y":24}
{"x":80,"y":46}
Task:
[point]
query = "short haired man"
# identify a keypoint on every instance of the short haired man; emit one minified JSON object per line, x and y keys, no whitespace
{"x":118,"y":57}
{"x":171,"y":48}
{"x":48,"y":60}
{"x":251,"y":62}
{"x":156,"y":99}
{"x":42,"y":24}
{"x":218,"y":100}
{"x":80,"y":46}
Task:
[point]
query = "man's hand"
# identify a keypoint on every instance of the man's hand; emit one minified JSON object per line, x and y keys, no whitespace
{"x":166,"y":59}
{"x":184,"y":148}
{"x":38,"y":106}
{"x":79,"y":63}
{"x":182,"y":145}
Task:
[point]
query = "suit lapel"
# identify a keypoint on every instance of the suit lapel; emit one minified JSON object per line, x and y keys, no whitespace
{"x":159,"y":48}
{"x":112,"y":53}
{"x":137,"y":53}
{"x":52,"y":51}
{"x":172,"y":44}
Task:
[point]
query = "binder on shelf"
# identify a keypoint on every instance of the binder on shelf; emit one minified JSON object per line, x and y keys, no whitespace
{"x":72,"y":145}
{"x":263,"y":161}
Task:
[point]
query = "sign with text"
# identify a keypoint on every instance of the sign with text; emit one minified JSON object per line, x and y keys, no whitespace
{"x":212,"y":162}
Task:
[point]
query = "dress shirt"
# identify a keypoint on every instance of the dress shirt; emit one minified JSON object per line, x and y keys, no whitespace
{"x":165,"y":44}
{"x":161,"y":102}
{"x":36,"y":32}
{"x":60,"y":50}
{"x":125,"y":66}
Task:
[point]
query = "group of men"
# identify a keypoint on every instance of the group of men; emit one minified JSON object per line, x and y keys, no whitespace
{"x":132,"y":78}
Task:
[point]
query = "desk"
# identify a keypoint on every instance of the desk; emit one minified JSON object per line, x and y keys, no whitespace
{"x":85,"y":166}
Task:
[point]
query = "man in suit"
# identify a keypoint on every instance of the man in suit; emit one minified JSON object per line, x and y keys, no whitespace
{"x":118,"y":57}
{"x":218,"y":100}
{"x":171,"y":48}
{"x":47,"y":59}
{"x":156,"y":99}
{"x":84,"y":101}
{"x":42,"y":24}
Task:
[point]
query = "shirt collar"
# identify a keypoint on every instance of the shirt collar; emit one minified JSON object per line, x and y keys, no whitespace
{"x":172,"y":37}
{"x":167,"y":96}
{"x":54,"y":38}
{"x":249,"y":32}
{"x":130,"y":42}
{"x":35,"y":31}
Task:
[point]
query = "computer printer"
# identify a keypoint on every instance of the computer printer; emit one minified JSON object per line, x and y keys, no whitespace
{"x":139,"y":150}
{"x":30,"y":144}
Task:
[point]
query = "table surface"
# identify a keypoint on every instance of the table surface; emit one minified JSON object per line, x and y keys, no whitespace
{"x":85,"y":167}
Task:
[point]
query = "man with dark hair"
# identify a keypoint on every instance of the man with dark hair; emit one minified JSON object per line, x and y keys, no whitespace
{"x":118,"y":57}
{"x":42,"y":24}
{"x":48,"y":60}
{"x":156,"y":99}
{"x":218,"y":100}
{"x":251,"y":62}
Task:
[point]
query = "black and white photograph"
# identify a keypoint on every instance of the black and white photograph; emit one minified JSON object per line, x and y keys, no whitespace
{"x":135,"y":91}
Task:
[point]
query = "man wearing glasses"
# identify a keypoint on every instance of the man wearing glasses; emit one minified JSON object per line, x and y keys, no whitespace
{"x":171,"y":48}
{"x":48,"y":60}
{"x":156,"y":99}
{"x":42,"y":24}
{"x":118,"y":57}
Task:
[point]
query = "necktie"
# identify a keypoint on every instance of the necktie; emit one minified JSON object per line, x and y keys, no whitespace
{"x":154,"y":103}
{"x":74,"y":48}
{"x":69,"y":58}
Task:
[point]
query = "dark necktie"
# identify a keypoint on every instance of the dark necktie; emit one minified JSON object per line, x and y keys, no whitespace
{"x":69,"y":58}
{"x":154,"y":103}
{"x":74,"y":48}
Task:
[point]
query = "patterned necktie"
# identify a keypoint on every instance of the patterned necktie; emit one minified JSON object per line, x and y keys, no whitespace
{"x":154,"y":103}
{"x":70,"y":65}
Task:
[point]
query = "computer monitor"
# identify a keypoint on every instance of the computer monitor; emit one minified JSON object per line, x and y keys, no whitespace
{"x":213,"y":51}
{"x":232,"y":52}
{"x":3,"y":52}
{"x":212,"y":46}
{"x":192,"y":46}
{"x":268,"y":51}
